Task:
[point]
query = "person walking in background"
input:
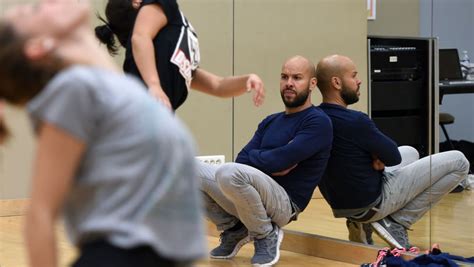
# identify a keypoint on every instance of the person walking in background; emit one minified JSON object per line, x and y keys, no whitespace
{"x":162,"y":49}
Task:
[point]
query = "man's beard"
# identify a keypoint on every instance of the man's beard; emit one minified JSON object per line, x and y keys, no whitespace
{"x":349,"y":96}
{"x":299,"y":100}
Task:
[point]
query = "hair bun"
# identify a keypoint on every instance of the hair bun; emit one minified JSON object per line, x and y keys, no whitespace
{"x":4,"y":133}
{"x":104,"y":33}
{"x":106,"y":36}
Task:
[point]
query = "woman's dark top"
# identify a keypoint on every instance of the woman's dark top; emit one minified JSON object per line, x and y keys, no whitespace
{"x":176,"y":53}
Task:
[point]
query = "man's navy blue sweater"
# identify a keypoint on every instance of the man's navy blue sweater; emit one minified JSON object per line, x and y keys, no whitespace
{"x":283,"y":140}
{"x":350,"y":182}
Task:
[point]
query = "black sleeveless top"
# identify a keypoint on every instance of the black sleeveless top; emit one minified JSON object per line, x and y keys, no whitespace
{"x":176,"y":53}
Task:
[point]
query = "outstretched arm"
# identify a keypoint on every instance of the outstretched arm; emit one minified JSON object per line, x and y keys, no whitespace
{"x":51,"y":183}
{"x":212,"y":84}
{"x":150,"y":20}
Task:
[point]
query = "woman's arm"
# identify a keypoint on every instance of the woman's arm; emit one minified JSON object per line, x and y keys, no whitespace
{"x":212,"y":84}
{"x":150,"y":20}
{"x":57,"y":158}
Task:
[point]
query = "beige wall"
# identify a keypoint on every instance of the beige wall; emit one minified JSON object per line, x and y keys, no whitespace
{"x":210,"y":118}
{"x":16,"y":157}
{"x":265,"y":33}
{"x":269,"y":31}
{"x":396,"y":18}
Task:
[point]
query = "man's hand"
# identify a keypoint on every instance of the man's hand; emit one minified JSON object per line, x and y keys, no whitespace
{"x":377,"y":164}
{"x":254,"y":83}
{"x":284,"y":172}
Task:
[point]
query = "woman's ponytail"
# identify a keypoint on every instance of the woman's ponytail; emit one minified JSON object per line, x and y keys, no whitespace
{"x":106,"y":36}
{"x":4,"y":133}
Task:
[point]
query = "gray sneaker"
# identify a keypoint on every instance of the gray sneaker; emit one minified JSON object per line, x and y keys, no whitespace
{"x":231,"y":242}
{"x":267,"y":249}
{"x":392,"y":232}
{"x":360,"y":232}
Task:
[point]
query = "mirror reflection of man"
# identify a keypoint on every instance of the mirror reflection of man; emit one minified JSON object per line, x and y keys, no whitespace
{"x":357,"y":184}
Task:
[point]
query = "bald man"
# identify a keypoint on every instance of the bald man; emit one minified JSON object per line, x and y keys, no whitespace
{"x":274,"y":175}
{"x":357,"y":184}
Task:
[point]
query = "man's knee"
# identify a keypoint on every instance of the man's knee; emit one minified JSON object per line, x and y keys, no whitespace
{"x":229,"y":176}
{"x":462,"y":164}
{"x":409,"y":152}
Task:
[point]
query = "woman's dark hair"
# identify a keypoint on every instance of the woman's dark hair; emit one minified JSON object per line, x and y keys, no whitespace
{"x":20,"y":78}
{"x":4,"y":133}
{"x":120,"y":18}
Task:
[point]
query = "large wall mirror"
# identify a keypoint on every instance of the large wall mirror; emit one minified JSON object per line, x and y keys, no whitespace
{"x":447,"y":22}
{"x":256,"y":36}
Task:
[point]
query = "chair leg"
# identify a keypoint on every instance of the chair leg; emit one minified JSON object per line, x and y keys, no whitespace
{"x":447,"y":136}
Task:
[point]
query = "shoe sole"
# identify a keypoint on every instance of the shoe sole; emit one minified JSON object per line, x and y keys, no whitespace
{"x":235,"y":251}
{"x":385,"y":235}
{"x":275,"y":260}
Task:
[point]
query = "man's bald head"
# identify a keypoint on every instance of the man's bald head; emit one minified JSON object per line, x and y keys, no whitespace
{"x":338,"y":81}
{"x":331,"y":66}
{"x":305,"y":64}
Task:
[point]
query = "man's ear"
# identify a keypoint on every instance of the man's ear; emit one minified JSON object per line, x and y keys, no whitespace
{"x":313,"y":83}
{"x":336,"y":82}
{"x":37,"y":48}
